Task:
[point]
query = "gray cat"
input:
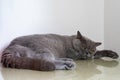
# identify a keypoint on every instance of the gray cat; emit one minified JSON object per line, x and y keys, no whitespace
{"x":49,"y":52}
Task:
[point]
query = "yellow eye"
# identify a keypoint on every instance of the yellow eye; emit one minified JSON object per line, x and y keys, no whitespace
{"x":92,"y":50}
{"x":83,"y":47}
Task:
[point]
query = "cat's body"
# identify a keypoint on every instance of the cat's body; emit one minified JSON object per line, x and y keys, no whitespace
{"x":50,"y":52}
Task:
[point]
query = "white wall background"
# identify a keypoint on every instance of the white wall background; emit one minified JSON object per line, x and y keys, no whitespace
{"x":112,"y":25}
{"x":23,"y":17}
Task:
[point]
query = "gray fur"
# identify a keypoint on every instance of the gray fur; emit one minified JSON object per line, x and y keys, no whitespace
{"x":48,"y":51}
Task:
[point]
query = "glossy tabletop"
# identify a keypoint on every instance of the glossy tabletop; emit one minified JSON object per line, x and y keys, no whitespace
{"x":86,"y":70}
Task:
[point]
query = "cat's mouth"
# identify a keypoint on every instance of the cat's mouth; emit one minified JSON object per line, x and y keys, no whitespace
{"x":85,"y":55}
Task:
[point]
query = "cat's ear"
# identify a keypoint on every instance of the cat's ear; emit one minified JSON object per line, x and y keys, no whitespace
{"x":79,"y":36}
{"x":98,"y":44}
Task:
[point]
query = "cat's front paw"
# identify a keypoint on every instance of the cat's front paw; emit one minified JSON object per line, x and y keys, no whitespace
{"x":106,"y":53}
{"x":69,"y":65}
{"x":111,"y":54}
{"x":114,"y":55}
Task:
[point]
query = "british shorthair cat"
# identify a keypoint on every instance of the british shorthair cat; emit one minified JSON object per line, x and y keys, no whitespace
{"x":47,"y":52}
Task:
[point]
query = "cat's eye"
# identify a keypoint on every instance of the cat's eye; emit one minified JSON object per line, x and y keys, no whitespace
{"x":92,"y":50}
{"x":83,"y":47}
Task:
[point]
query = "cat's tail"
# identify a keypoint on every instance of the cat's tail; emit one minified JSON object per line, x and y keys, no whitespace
{"x":12,"y":61}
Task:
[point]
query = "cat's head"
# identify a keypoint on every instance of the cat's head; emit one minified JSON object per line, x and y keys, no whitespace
{"x":84,"y":47}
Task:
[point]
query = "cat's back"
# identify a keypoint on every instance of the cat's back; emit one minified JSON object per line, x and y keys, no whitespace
{"x":39,"y":39}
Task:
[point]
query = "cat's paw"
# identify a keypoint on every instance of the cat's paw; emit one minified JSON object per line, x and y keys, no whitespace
{"x":106,"y":53}
{"x":69,"y":65}
{"x":111,"y":54}
{"x":65,"y":65}
{"x":114,"y":55}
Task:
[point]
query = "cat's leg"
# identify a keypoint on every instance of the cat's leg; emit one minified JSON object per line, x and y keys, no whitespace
{"x":60,"y":63}
{"x":106,"y":53}
{"x":18,"y":56}
{"x":64,"y":65}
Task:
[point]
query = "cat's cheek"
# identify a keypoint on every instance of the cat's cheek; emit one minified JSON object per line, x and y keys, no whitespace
{"x":76,"y":44}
